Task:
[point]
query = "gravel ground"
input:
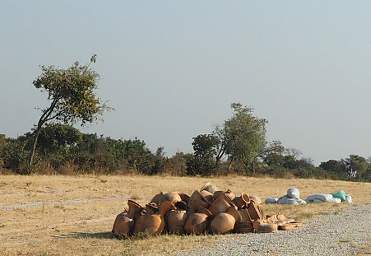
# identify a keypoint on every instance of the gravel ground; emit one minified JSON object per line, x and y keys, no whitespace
{"x":338,"y":234}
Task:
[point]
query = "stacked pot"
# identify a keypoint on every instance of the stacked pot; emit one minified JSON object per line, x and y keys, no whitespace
{"x":205,"y":211}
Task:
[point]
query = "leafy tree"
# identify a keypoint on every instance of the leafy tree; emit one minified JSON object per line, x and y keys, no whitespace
{"x":334,"y":166}
{"x":244,"y":136}
{"x":356,"y":166}
{"x":274,"y":154}
{"x":205,"y":148}
{"x":72,"y":97}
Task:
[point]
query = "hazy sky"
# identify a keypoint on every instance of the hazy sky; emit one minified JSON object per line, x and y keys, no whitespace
{"x":172,"y":68}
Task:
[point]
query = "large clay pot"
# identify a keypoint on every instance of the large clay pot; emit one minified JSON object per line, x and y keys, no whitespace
{"x":220,"y":204}
{"x":241,"y":201}
{"x":158,"y":198}
{"x":173,"y":197}
{"x":197,"y":202}
{"x":134,"y":209}
{"x":227,"y":193}
{"x":122,"y":226}
{"x":222,"y":223}
{"x":153,"y":224}
{"x":196,"y":223}
{"x":175,"y":220}
{"x":225,"y":222}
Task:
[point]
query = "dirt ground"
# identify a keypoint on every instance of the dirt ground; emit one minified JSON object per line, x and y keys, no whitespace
{"x":68,"y":215}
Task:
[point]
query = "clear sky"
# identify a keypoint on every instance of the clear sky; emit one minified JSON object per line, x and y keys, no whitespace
{"x":172,"y":68}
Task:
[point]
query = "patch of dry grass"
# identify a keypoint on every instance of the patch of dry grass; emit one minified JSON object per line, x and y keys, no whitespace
{"x":69,"y":215}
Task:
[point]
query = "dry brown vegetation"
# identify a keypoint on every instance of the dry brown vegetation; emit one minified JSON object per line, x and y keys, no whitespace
{"x":67,"y":215}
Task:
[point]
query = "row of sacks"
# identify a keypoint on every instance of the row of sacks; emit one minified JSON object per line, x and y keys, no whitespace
{"x":292,"y":197}
{"x":205,"y":211}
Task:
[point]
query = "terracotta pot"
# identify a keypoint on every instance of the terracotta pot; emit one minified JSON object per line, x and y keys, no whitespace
{"x":196,"y":223}
{"x":256,"y":199}
{"x":134,"y":209}
{"x":255,"y":212}
{"x":173,"y":197}
{"x":158,"y":198}
{"x":207,"y":195}
{"x":152,"y":208}
{"x":185,"y":198}
{"x":122,"y":226}
{"x":197,"y":202}
{"x":220,"y":204}
{"x":153,"y":224}
{"x":289,"y":226}
{"x":209,"y":187}
{"x":225,"y":222}
{"x":245,"y":225}
{"x":175,"y":220}
{"x":241,"y":201}
{"x":228,"y":193}
{"x":222,"y":223}
{"x":267,"y":228}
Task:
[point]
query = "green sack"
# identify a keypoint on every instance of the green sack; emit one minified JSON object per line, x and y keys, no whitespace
{"x":341,"y":195}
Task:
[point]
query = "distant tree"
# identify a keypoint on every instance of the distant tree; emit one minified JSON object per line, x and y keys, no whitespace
{"x":334,"y":166}
{"x":72,"y":97}
{"x":356,"y":166}
{"x":205,"y":148}
{"x":274,"y":154}
{"x":244,"y":136}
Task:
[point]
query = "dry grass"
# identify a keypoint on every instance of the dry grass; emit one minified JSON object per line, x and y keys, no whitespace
{"x":66,"y":215}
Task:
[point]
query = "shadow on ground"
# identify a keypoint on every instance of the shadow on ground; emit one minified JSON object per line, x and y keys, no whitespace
{"x":95,"y":235}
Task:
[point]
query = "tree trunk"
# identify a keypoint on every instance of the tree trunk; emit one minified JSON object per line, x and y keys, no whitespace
{"x":37,"y":134}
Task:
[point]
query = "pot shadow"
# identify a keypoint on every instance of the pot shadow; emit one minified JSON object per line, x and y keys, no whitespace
{"x":95,"y":235}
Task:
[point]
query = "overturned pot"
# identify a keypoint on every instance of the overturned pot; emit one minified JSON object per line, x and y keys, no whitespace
{"x":153,"y":224}
{"x":196,"y":223}
{"x":122,"y":226}
{"x":175,"y":220}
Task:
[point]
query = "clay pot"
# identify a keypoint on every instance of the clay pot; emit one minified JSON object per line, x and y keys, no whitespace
{"x":225,"y":222}
{"x":153,"y":224}
{"x":152,"y":208}
{"x":222,"y":223}
{"x":241,"y":201}
{"x":220,"y":204}
{"x":256,"y":199}
{"x":209,"y":187}
{"x":175,"y":220}
{"x":158,"y":198}
{"x":197,"y":202}
{"x":245,"y":224}
{"x":228,"y":193}
{"x":289,"y":226}
{"x":267,"y":228}
{"x":122,"y":225}
{"x":255,"y":212}
{"x":173,"y":197}
{"x":196,"y":223}
{"x":185,"y":198}
{"x":134,"y":209}
{"x":207,"y":195}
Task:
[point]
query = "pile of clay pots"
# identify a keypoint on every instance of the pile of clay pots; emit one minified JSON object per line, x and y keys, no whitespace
{"x":205,"y":211}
